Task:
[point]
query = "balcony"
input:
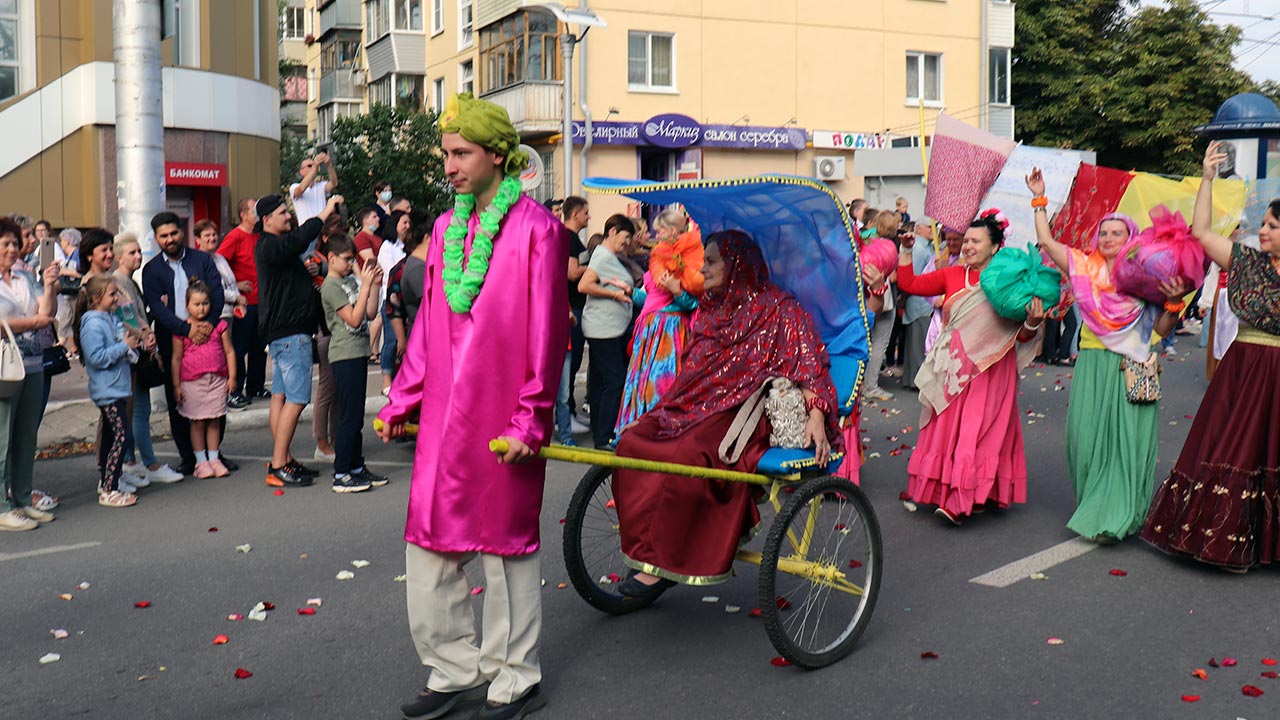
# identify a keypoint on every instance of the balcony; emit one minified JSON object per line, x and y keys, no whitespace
{"x":1000,"y":121}
{"x":339,"y":84}
{"x":341,"y":15}
{"x":534,"y":107}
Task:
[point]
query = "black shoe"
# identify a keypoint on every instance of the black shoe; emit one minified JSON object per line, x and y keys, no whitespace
{"x":431,"y":704}
{"x":229,"y":464}
{"x":263,"y":394}
{"x":514,"y":710}
{"x":238,"y":401}
{"x":187,"y":467}
{"x":350,"y":484}
{"x":285,"y":477}
{"x":372,"y":478}
{"x":299,"y":469}
{"x":633,"y":588}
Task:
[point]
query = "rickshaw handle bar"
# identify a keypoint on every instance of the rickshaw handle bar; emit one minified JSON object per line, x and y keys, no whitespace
{"x":585,"y":456}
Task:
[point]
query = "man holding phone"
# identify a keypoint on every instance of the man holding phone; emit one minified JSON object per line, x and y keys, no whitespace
{"x":309,"y":194}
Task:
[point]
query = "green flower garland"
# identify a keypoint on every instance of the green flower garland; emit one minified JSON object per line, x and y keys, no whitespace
{"x":462,"y":284}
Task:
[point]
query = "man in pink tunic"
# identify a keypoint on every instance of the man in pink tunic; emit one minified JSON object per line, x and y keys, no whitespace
{"x":484,"y":361}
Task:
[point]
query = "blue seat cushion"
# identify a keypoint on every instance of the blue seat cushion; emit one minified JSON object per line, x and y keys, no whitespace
{"x":845,"y":374}
{"x":786,"y":462}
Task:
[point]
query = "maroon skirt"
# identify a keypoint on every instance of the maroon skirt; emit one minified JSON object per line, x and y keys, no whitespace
{"x":682,"y":528}
{"x":1221,"y":503}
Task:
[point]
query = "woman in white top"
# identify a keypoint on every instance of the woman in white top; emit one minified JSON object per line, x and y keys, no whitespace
{"x":605,"y":320}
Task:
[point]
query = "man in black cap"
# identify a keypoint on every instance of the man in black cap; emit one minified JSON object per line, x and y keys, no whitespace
{"x":165,"y":279}
{"x":287,"y":318}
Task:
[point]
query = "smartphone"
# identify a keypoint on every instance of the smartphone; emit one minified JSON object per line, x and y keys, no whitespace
{"x":46,"y":252}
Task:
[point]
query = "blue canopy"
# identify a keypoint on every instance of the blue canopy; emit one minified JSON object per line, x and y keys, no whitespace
{"x":804,"y":231}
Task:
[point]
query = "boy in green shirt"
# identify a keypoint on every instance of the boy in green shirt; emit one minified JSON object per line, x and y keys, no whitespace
{"x":349,"y":305}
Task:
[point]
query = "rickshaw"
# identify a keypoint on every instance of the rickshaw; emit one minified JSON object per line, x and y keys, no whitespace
{"x":821,"y":558}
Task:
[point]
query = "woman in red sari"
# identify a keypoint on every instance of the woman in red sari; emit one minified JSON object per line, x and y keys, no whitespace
{"x":970,"y":451}
{"x":683,"y":530}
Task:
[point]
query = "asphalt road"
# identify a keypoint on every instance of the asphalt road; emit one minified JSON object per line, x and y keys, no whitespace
{"x":1130,"y":644}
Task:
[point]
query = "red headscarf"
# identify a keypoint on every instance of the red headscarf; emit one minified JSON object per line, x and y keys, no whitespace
{"x":747,"y":330}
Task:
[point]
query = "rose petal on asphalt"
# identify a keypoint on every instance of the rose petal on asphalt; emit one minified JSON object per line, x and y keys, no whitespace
{"x":66,"y":596}
{"x":1200,"y":673}
{"x":268,"y":606}
{"x":1228,"y":662}
{"x":1270,"y":662}
{"x":854,"y":564}
{"x":306,"y":611}
{"x":358,"y":564}
{"x":755,"y":612}
{"x":59,"y":634}
{"x":213,"y":529}
{"x":242,"y":674}
{"x":928,"y":655}
{"x":1213,"y":662}
{"x":220,"y":639}
{"x":345,"y":575}
{"x":779,"y":662}
{"x":1251,"y":690}
{"x":1190,"y":698}
{"x":1055,"y":641}
{"x":562,"y":586}
{"x":50,"y":658}
{"x":278,"y":492}
{"x":782,"y":603}
{"x":399,"y":578}
{"x":1118,"y":572}
{"x":142,"y":604}
{"x":477,"y":590}
{"x":234,"y":617}
{"x":1271,"y":675}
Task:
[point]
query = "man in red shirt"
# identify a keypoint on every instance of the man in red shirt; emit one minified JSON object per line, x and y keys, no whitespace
{"x":251,"y":356}
{"x":368,"y":241}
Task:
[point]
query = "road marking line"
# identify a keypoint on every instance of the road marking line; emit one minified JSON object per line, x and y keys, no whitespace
{"x":1007,"y":575}
{"x":267,"y":458}
{"x":47,"y":551}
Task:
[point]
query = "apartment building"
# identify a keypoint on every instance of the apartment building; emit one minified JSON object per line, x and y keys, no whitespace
{"x":295,"y":40}
{"x":57,"y":108}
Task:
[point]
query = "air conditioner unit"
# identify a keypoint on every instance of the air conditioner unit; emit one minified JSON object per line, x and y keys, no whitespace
{"x":359,"y":78}
{"x":828,"y":167}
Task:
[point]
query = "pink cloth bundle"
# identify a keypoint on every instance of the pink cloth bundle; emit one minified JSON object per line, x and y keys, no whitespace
{"x":1162,"y":252}
{"x":881,"y":254}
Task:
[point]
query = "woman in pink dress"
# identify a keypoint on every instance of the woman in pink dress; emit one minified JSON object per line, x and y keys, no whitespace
{"x":970,"y":452}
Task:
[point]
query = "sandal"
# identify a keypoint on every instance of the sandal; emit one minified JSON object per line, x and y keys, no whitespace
{"x":117,"y":499}
{"x":42,"y":500}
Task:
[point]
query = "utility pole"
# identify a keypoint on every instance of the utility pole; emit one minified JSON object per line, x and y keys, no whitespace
{"x":139,"y":117}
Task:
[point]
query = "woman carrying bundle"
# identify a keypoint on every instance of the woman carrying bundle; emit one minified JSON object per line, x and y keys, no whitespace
{"x":1221,"y":503}
{"x":970,"y":452}
{"x":1111,"y":441}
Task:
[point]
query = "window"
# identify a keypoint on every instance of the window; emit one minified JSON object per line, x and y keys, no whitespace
{"x":380,"y":91}
{"x":651,"y":61}
{"x":9,"y":57}
{"x":924,"y":77}
{"x":409,"y":90}
{"x":466,"y":77}
{"x":293,"y":22}
{"x":437,"y":17}
{"x":408,"y":14}
{"x":998,"y":76}
{"x":437,"y":95}
{"x":519,"y":48}
{"x":338,"y":54}
{"x":377,"y":18}
{"x":465,"y":22}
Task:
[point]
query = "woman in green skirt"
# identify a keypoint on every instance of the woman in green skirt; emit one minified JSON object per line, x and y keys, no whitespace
{"x":1111,"y":441}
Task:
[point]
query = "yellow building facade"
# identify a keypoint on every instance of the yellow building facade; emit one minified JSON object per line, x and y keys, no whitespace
{"x":220,"y":99}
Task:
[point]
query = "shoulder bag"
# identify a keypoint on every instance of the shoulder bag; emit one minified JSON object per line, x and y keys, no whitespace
{"x":12,"y":371}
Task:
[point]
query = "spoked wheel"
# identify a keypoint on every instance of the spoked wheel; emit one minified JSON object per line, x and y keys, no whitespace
{"x":593,"y":547}
{"x":820,"y":572}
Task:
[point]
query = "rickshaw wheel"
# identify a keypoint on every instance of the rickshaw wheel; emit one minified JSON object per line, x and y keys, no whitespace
{"x":593,"y":547}
{"x":820,"y":572}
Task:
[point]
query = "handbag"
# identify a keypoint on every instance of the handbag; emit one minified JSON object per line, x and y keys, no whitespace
{"x":55,"y":361}
{"x":777,"y":397}
{"x":12,"y":371}
{"x":1141,"y":379}
{"x":68,"y":285}
{"x":151,"y":371}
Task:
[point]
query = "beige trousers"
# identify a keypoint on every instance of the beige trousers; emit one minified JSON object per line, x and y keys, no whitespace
{"x":443,"y":624}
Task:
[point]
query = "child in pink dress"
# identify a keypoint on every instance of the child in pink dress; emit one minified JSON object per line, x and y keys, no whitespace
{"x":202,"y":372}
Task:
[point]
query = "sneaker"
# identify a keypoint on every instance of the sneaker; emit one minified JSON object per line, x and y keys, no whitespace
{"x":228,"y":463}
{"x":17,"y":521}
{"x":42,"y":500}
{"x":350,"y":484}
{"x":285,"y":477}
{"x":322,"y":456}
{"x":300,"y":469}
{"x":135,"y":469}
{"x":138,"y":481}
{"x":39,"y":516}
{"x":204,"y":470}
{"x":263,"y":394}
{"x":877,"y":394}
{"x":125,"y":486}
{"x":117,"y":499}
{"x":238,"y":401}
{"x":514,"y":710}
{"x":219,"y":470}
{"x":1170,"y":352}
{"x":568,"y":442}
{"x":578,"y":428}
{"x":949,"y":516}
{"x":372,"y":478}
{"x":431,"y":704}
{"x":164,"y":474}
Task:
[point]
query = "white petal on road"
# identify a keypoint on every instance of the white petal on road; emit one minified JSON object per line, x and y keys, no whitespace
{"x":244,"y":548}
{"x":345,"y":575}
{"x":358,"y":564}
{"x":50,"y":658}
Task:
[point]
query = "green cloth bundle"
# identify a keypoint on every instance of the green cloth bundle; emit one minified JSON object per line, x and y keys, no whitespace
{"x":1014,"y":277}
{"x":487,"y":125}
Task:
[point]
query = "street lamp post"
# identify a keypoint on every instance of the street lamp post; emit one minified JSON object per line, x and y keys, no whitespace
{"x":584,"y":17}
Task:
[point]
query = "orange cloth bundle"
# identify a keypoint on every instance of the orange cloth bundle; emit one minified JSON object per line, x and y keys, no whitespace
{"x":682,"y":258}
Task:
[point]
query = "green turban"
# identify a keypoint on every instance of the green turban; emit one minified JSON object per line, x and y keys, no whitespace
{"x":487,"y":125}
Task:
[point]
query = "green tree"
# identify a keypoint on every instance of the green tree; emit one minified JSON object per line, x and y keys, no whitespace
{"x":393,"y":144}
{"x":1129,"y":85}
